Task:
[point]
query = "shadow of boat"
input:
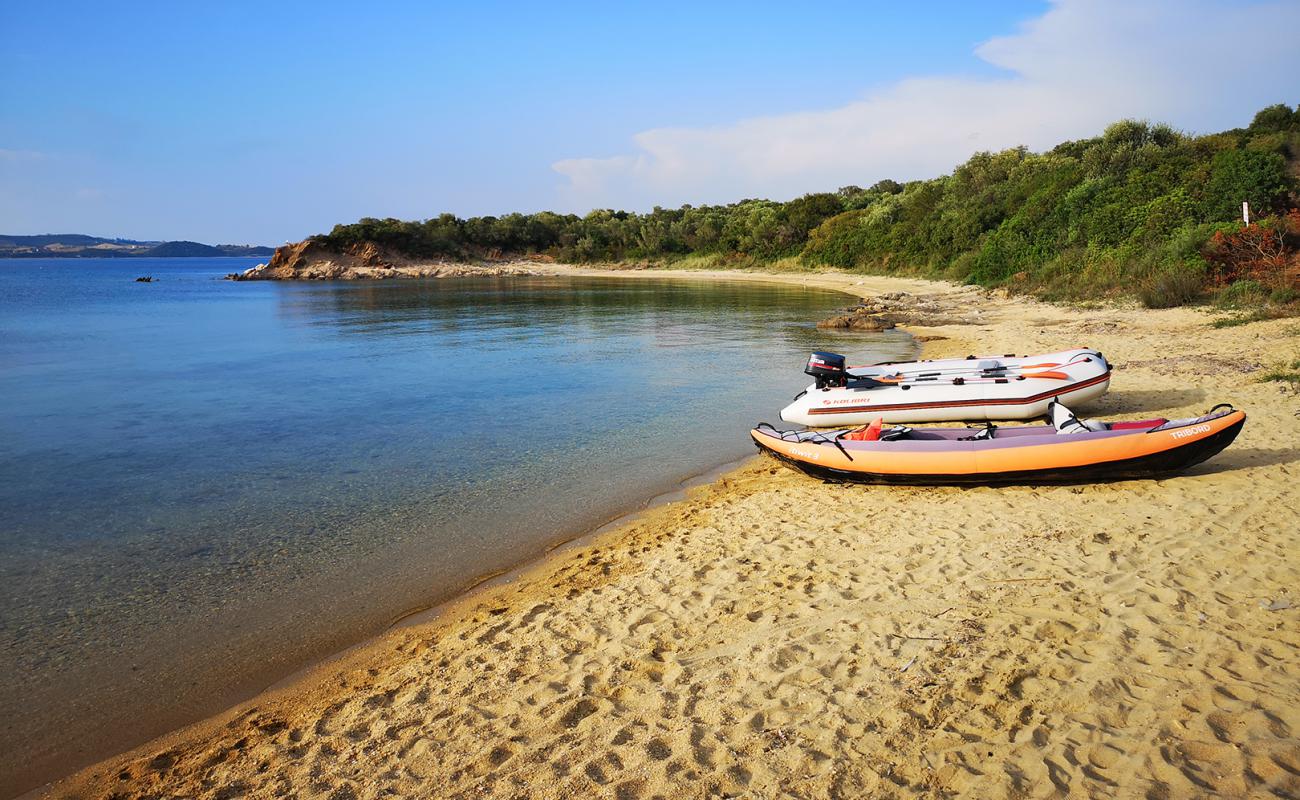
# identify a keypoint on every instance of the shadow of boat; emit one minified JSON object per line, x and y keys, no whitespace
{"x":1147,"y":401}
{"x":1235,"y":458}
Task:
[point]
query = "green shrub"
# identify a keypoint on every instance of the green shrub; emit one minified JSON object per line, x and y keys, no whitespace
{"x":1241,"y":293}
{"x":1284,"y":372}
{"x":1235,"y":175}
{"x":837,"y":242}
{"x":1255,"y":315}
{"x":1170,"y":289}
{"x":1284,"y":296}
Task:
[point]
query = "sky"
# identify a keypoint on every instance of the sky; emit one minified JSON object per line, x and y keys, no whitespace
{"x":242,"y":122}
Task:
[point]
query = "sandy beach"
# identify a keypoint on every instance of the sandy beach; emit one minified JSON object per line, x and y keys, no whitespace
{"x":774,"y":636}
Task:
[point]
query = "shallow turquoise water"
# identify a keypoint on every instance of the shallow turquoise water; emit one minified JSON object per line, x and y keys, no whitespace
{"x":206,"y":484}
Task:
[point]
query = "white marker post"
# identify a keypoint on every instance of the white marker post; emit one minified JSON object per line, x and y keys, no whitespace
{"x":1245,"y":212}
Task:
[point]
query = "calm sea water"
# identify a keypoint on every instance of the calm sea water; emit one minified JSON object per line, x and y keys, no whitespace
{"x":206,"y":484}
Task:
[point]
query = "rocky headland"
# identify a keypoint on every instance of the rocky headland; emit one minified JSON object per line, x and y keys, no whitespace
{"x":310,"y":260}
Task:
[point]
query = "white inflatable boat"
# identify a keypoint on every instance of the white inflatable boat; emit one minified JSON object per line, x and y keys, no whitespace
{"x":971,"y":388}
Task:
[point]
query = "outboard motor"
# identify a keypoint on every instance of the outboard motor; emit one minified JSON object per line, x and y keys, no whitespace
{"x":827,"y":369}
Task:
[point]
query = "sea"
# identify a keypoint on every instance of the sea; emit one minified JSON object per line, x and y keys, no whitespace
{"x":206,"y":485}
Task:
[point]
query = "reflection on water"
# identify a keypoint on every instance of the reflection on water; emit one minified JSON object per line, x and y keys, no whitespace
{"x":205,"y":484}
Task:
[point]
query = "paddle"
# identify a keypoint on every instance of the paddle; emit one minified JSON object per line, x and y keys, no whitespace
{"x":929,"y":373}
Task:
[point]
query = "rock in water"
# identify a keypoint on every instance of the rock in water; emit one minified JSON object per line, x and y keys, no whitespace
{"x":856,"y":322}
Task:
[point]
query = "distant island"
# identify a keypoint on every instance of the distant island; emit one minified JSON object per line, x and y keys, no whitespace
{"x":1141,"y":209}
{"x":76,"y":245}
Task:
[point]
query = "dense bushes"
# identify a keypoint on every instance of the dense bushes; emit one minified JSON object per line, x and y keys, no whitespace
{"x":1176,"y":287}
{"x":1263,"y":252}
{"x":1141,"y":209}
{"x":1127,"y":212}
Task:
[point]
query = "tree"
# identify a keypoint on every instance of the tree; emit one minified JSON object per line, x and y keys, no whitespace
{"x":887,"y":186}
{"x":1258,"y":178}
{"x":1275,"y":119}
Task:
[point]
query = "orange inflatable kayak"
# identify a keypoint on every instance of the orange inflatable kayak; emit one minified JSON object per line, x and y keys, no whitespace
{"x":1070,"y":451}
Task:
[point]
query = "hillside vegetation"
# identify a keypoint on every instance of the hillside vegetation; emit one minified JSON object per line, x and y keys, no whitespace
{"x":1140,"y":210}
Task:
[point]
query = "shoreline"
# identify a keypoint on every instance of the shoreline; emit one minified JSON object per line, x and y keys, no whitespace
{"x":222,"y":687}
{"x":669,"y":488}
{"x":711,"y":745}
{"x":486,"y":583}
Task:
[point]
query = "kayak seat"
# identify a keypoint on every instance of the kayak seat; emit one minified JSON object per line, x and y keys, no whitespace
{"x":894,"y":434}
{"x":867,"y":433}
{"x":1064,"y":420}
{"x":987,"y":432}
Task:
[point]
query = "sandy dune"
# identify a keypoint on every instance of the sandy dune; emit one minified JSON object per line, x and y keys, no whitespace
{"x":773,"y":636}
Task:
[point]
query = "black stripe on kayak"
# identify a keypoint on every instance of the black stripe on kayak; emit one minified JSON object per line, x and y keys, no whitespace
{"x":1153,"y":465}
{"x":1013,"y":401}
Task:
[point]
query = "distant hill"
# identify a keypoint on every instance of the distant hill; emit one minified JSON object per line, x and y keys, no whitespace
{"x":184,"y":250}
{"x":77,"y":245}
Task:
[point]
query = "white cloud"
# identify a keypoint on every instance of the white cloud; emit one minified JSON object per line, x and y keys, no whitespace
{"x":1200,"y":66}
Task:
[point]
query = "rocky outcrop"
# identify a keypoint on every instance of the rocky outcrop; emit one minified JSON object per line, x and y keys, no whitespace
{"x":856,"y":321}
{"x":310,"y":260}
{"x":885,"y":311}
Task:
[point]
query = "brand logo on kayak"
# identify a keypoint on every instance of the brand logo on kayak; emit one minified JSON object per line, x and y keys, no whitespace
{"x":811,"y":455}
{"x":846,"y":400}
{"x":1183,"y":433}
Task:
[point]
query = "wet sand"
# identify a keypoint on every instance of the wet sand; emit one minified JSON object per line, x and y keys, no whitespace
{"x":774,"y":636}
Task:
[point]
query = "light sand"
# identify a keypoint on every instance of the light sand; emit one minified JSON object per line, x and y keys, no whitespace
{"x":773,"y":636}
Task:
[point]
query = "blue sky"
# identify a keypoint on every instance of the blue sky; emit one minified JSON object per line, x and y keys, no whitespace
{"x":265,"y":122}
